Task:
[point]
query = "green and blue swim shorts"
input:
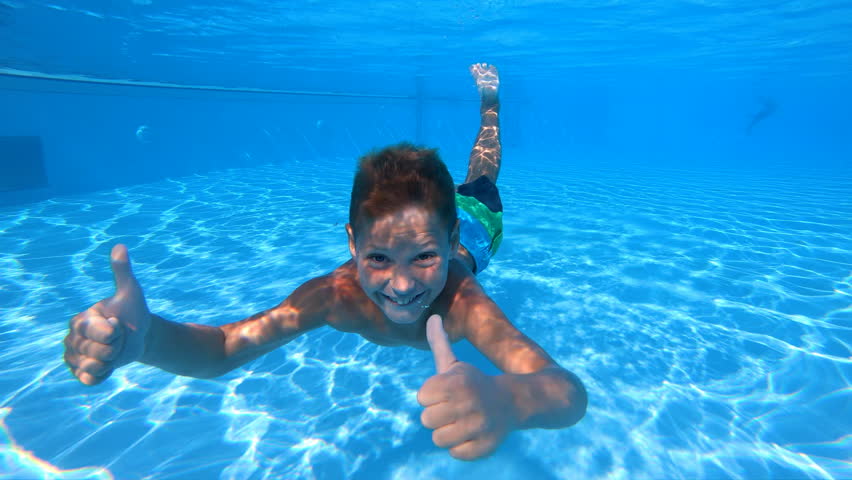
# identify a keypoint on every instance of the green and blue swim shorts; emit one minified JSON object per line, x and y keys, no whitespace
{"x":480,"y":213}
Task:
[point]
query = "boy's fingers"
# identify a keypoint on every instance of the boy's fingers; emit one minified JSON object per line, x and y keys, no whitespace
{"x":99,"y":329}
{"x":88,"y":379}
{"x":93,"y":367}
{"x":439,"y":343}
{"x":121,"y":269}
{"x":97,"y":350}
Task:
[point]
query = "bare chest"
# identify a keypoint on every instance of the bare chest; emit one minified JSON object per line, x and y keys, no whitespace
{"x":358,"y":314}
{"x":388,"y":340}
{"x":381,"y":331}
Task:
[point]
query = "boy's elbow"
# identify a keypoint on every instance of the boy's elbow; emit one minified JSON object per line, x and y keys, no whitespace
{"x":563,"y":400}
{"x":574,"y":399}
{"x":578,"y":400}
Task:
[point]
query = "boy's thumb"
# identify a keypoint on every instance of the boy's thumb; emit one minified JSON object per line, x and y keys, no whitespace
{"x":439,"y":343}
{"x":121,"y":270}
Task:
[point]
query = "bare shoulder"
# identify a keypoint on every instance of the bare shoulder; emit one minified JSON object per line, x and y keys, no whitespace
{"x":461,"y":294}
{"x":325,"y":300}
{"x":304,"y":309}
{"x":477,"y":318}
{"x":349,"y":309}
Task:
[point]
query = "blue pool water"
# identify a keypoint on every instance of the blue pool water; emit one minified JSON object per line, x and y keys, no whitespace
{"x":709,"y":316}
{"x":694,"y":271}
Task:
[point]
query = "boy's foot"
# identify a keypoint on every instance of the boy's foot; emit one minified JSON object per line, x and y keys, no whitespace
{"x":487,"y":80}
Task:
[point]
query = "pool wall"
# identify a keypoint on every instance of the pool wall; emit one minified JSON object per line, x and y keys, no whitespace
{"x":101,"y":136}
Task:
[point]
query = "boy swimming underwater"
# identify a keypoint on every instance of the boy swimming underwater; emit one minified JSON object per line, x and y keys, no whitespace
{"x":416,"y":243}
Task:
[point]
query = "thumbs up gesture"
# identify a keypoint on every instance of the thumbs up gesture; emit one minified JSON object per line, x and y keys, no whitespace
{"x":468,"y":410}
{"x":111,"y":333}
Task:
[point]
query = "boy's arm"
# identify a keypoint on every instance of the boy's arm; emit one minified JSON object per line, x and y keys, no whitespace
{"x":204,"y":351}
{"x":544,"y":394}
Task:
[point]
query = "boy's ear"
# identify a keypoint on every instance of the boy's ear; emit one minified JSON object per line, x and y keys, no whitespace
{"x":351,"y":236}
{"x":454,"y":237}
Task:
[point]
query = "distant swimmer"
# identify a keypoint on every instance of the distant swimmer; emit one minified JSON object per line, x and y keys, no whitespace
{"x":767,"y":108}
{"x":143,"y":134}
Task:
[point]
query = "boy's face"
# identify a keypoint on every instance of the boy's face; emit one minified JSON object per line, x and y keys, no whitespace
{"x":403,"y":259}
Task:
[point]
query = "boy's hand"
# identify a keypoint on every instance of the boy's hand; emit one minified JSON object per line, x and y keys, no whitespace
{"x":468,"y":410}
{"x":111,"y":333}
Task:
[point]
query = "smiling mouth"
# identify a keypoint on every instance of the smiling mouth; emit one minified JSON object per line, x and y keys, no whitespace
{"x":401,"y":304}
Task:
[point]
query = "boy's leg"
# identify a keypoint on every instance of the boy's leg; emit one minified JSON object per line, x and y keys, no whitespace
{"x":486,"y":152}
{"x":484,"y":161}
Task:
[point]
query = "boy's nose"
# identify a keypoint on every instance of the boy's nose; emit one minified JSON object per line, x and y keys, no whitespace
{"x":402,"y":283}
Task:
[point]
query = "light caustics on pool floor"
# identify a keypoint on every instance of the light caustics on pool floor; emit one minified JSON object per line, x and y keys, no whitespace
{"x":709,"y":316}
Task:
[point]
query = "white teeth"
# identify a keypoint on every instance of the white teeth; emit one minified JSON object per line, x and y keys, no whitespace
{"x":401,"y":303}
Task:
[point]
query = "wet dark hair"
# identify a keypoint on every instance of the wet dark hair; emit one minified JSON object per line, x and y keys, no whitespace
{"x":399,"y":176}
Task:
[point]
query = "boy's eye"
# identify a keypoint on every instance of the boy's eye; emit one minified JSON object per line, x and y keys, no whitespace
{"x":377,"y":258}
{"x":425,"y":256}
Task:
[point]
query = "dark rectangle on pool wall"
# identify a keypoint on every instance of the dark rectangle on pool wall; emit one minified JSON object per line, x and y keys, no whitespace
{"x":21,"y":164}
